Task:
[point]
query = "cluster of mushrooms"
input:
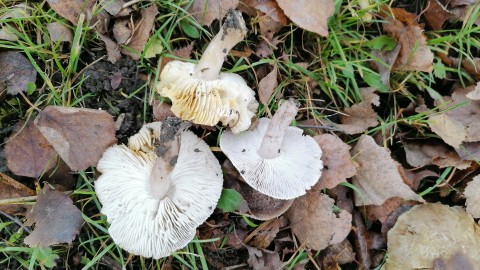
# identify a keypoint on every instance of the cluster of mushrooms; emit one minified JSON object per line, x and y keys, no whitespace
{"x":159,"y":188}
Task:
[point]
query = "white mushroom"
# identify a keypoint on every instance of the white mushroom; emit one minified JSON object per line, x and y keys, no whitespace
{"x":275,"y":158}
{"x":154,"y":199}
{"x":203,"y":95}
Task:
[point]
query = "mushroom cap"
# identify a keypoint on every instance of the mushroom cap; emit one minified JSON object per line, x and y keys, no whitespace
{"x":227,"y":99}
{"x":295,"y":170}
{"x":143,"y":224}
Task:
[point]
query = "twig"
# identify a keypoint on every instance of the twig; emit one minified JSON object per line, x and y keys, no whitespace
{"x":16,"y":221}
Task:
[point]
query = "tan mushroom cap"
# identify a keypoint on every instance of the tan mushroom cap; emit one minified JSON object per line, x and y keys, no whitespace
{"x":296,"y":169}
{"x":142,"y":223}
{"x":227,"y":99}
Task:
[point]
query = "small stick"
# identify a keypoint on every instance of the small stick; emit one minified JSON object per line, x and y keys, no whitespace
{"x":16,"y":221}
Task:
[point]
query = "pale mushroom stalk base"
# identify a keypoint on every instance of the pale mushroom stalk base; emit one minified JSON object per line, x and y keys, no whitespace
{"x":273,"y":138}
{"x":233,"y":31}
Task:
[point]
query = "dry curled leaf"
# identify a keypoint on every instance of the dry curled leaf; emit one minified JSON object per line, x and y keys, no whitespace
{"x":56,"y":219}
{"x":475,"y":93}
{"x":312,"y":220}
{"x":141,"y":34}
{"x":59,"y":32}
{"x":360,"y":116}
{"x":262,"y":259}
{"x":205,"y":11}
{"x":436,"y":14}
{"x":11,"y":189}
{"x":113,"y":49}
{"x":433,"y":232}
{"x":28,"y":153}
{"x":267,"y":85}
{"x":337,"y":162}
{"x":421,"y":154}
{"x":80,"y":136}
{"x":71,"y":9}
{"x":472,"y":195}
{"x":377,"y":178}
{"x":308,"y":15}
{"x":16,"y":72}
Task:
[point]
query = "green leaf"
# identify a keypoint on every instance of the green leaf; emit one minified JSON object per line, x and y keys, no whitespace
{"x":381,"y":42}
{"x":373,"y":80}
{"x":31,"y":87}
{"x":230,"y":200}
{"x":155,"y":47}
{"x":46,"y":257}
{"x":439,"y":70}
{"x":189,"y":29}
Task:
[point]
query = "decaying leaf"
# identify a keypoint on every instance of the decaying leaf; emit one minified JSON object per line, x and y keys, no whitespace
{"x":71,"y":9}
{"x":16,"y":72}
{"x":205,"y":11}
{"x":387,"y":59}
{"x":436,"y":14}
{"x":433,"y":233}
{"x":141,"y":34}
{"x":113,"y":50}
{"x":262,"y":259}
{"x":56,"y":219}
{"x":337,"y":162}
{"x":420,"y":154}
{"x":475,"y":93}
{"x":337,"y":254}
{"x":267,"y":85}
{"x":472,"y":194}
{"x":59,"y":32}
{"x":80,"y":136}
{"x":266,"y":46}
{"x":312,"y":220}
{"x":383,"y":211}
{"x":459,"y":124}
{"x":308,"y":15}
{"x":377,"y":178}
{"x":264,"y":236}
{"x":414,"y":53}
{"x":269,"y":15}
{"x":28,"y":153}
{"x":122,"y":31}
{"x":361,"y":116}
{"x":113,"y":7}
{"x":161,"y":110}
{"x":11,"y":189}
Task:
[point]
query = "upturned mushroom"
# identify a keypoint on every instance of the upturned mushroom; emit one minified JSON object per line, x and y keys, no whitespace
{"x":156,"y":191}
{"x":201,"y":94}
{"x":275,"y":158}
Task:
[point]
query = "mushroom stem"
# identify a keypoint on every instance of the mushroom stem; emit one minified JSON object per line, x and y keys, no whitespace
{"x":273,"y":138}
{"x":233,"y":31}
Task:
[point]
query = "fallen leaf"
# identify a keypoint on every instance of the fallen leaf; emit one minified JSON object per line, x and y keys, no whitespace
{"x":61,"y":177}
{"x":56,"y":219}
{"x":113,"y":49}
{"x":383,"y":211}
{"x":11,"y":189}
{"x":121,"y":31}
{"x":387,"y":60}
{"x":436,"y":14}
{"x":59,"y":32}
{"x":314,"y":223}
{"x":80,"y":136}
{"x":161,"y":110}
{"x":433,"y":232}
{"x":421,"y":154}
{"x":262,"y":259}
{"x":205,"y":11}
{"x":141,"y":34}
{"x":475,"y":93}
{"x":22,"y":10}
{"x":6,"y":34}
{"x":71,"y":9}
{"x":17,"y":72}
{"x":376,"y":174}
{"x":264,"y":237}
{"x":360,"y":116}
{"x":459,"y":124}
{"x":116,"y":80}
{"x":337,"y":254}
{"x":267,"y":45}
{"x":28,"y":153}
{"x":270,"y":8}
{"x":414,"y":53}
{"x":337,"y":162}
{"x":472,"y":195}
{"x":308,"y":15}
{"x":112,"y":6}
{"x":267,"y":85}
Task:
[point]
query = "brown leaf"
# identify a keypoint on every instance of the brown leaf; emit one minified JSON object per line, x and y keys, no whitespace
{"x":80,"y":136}
{"x":71,"y":9}
{"x":59,"y":32}
{"x":360,"y":116}
{"x":141,"y":34}
{"x":472,"y":194}
{"x":264,"y":237}
{"x":431,"y":232}
{"x":183,"y":52}
{"x":337,"y":162}
{"x":414,"y":53}
{"x":113,"y":50}
{"x":262,"y":259}
{"x":112,"y":6}
{"x":56,"y":219}
{"x":122,"y":31}
{"x":387,"y":59}
{"x":267,"y":85}
{"x":17,"y":71}
{"x":28,"y":153}
{"x":205,"y":11}
{"x":420,"y":154}
{"x":459,"y":124}
{"x":475,"y":93}
{"x":376,"y":174}
{"x":11,"y":189}
{"x":270,"y":8}
{"x":116,"y":79}
{"x":161,"y":110}
{"x":436,"y":14}
{"x":383,"y":211}
{"x":314,"y":223}
{"x":308,"y":15}
{"x":267,"y":45}
{"x":336,"y":254}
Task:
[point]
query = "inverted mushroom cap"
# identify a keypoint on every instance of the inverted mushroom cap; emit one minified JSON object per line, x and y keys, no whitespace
{"x":297,"y":168}
{"x":227,"y":99}
{"x":142,"y":223}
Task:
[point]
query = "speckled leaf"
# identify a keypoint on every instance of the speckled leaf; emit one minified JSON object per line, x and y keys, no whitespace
{"x":17,"y":71}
